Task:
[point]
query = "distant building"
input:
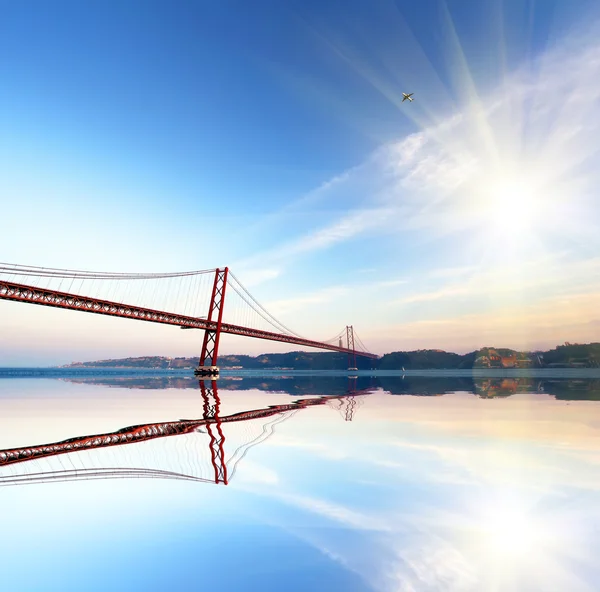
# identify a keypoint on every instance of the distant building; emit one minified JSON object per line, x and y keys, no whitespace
{"x":482,"y":362}
{"x":494,"y":356}
{"x":509,"y":361}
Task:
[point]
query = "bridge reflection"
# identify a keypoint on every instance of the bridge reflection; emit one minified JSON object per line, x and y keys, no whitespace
{"x":134,"y":455}
{"x":209,"y":449}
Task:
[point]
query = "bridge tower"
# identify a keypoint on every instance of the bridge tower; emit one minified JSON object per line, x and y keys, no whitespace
{"x":350,"y":342}
{"x":210,"y":397}
{"x":207,"y":365}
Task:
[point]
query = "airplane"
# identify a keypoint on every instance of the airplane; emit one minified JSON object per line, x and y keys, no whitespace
{"x":409,"y":97}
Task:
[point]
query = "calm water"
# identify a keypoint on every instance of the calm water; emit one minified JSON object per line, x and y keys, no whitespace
{"x":300,"y":483}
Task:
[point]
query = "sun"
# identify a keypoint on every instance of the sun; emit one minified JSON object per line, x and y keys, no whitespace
{"x":511,"y":212}
{"x":512,"y":206}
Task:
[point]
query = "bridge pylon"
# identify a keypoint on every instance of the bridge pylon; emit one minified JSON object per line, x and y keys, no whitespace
{"x":351,"y":348}
{"x":207,"y":365}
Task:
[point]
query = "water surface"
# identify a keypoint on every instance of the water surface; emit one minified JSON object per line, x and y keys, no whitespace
{"x":300,"y":483}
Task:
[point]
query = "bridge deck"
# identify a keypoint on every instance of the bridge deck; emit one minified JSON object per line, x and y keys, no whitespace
{"x":44,"y":297}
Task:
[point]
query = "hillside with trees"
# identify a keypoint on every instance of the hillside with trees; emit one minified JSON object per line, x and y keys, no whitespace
{"x":563,"y":356}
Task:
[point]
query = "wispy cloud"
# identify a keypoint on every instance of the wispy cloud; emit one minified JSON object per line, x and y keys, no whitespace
{"x":453,"y":272}
{"x":430,"y":296}
{"x":525,"y":325}
{"x":392,"y":283}
{"x":330,"y":294}
{"x":335,"y":512}
{"x":254,"y":277}
{"x":250,"y":472}
{"x":540,"y":278}
{"x":342,"y":230}
{"x":350,"y":226}
{"x":316,"y":448}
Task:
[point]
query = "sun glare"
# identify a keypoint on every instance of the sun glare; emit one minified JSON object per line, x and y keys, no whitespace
{"x":508,"y":527}
{"x":509,"y":530}
{"x":511,"y":206}
{"x":507,"y":211}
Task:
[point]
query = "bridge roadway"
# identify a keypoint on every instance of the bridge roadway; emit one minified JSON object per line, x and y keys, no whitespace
{"x":23,"y":293}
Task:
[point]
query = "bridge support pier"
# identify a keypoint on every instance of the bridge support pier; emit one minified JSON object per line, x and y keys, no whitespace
{"x":208,"y":371}
{"x":207,"y":365}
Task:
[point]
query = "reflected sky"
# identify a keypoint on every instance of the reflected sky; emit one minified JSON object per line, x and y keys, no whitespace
{"x":492,"y":486}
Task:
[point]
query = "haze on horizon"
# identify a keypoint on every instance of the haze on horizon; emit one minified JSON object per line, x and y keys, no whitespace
{"x":271,"y":138}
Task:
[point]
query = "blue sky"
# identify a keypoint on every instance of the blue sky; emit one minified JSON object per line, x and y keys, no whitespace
{"x":269,"y":136}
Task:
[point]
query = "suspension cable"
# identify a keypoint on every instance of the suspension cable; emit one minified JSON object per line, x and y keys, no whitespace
{"x":259,"y":307}
{"x":336,"y":338}
{"x":30,"y":270}
{"x":359,"y":340}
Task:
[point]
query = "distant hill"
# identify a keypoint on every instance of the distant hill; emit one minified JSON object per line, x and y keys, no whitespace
{"x":565,"y":356}
{"x":286,"y":361}
{"x":425,"y":359}
{"x":573,"y":355}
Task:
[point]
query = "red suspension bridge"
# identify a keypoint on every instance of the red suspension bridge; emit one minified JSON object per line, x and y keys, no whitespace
{"x":170,"y":299}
